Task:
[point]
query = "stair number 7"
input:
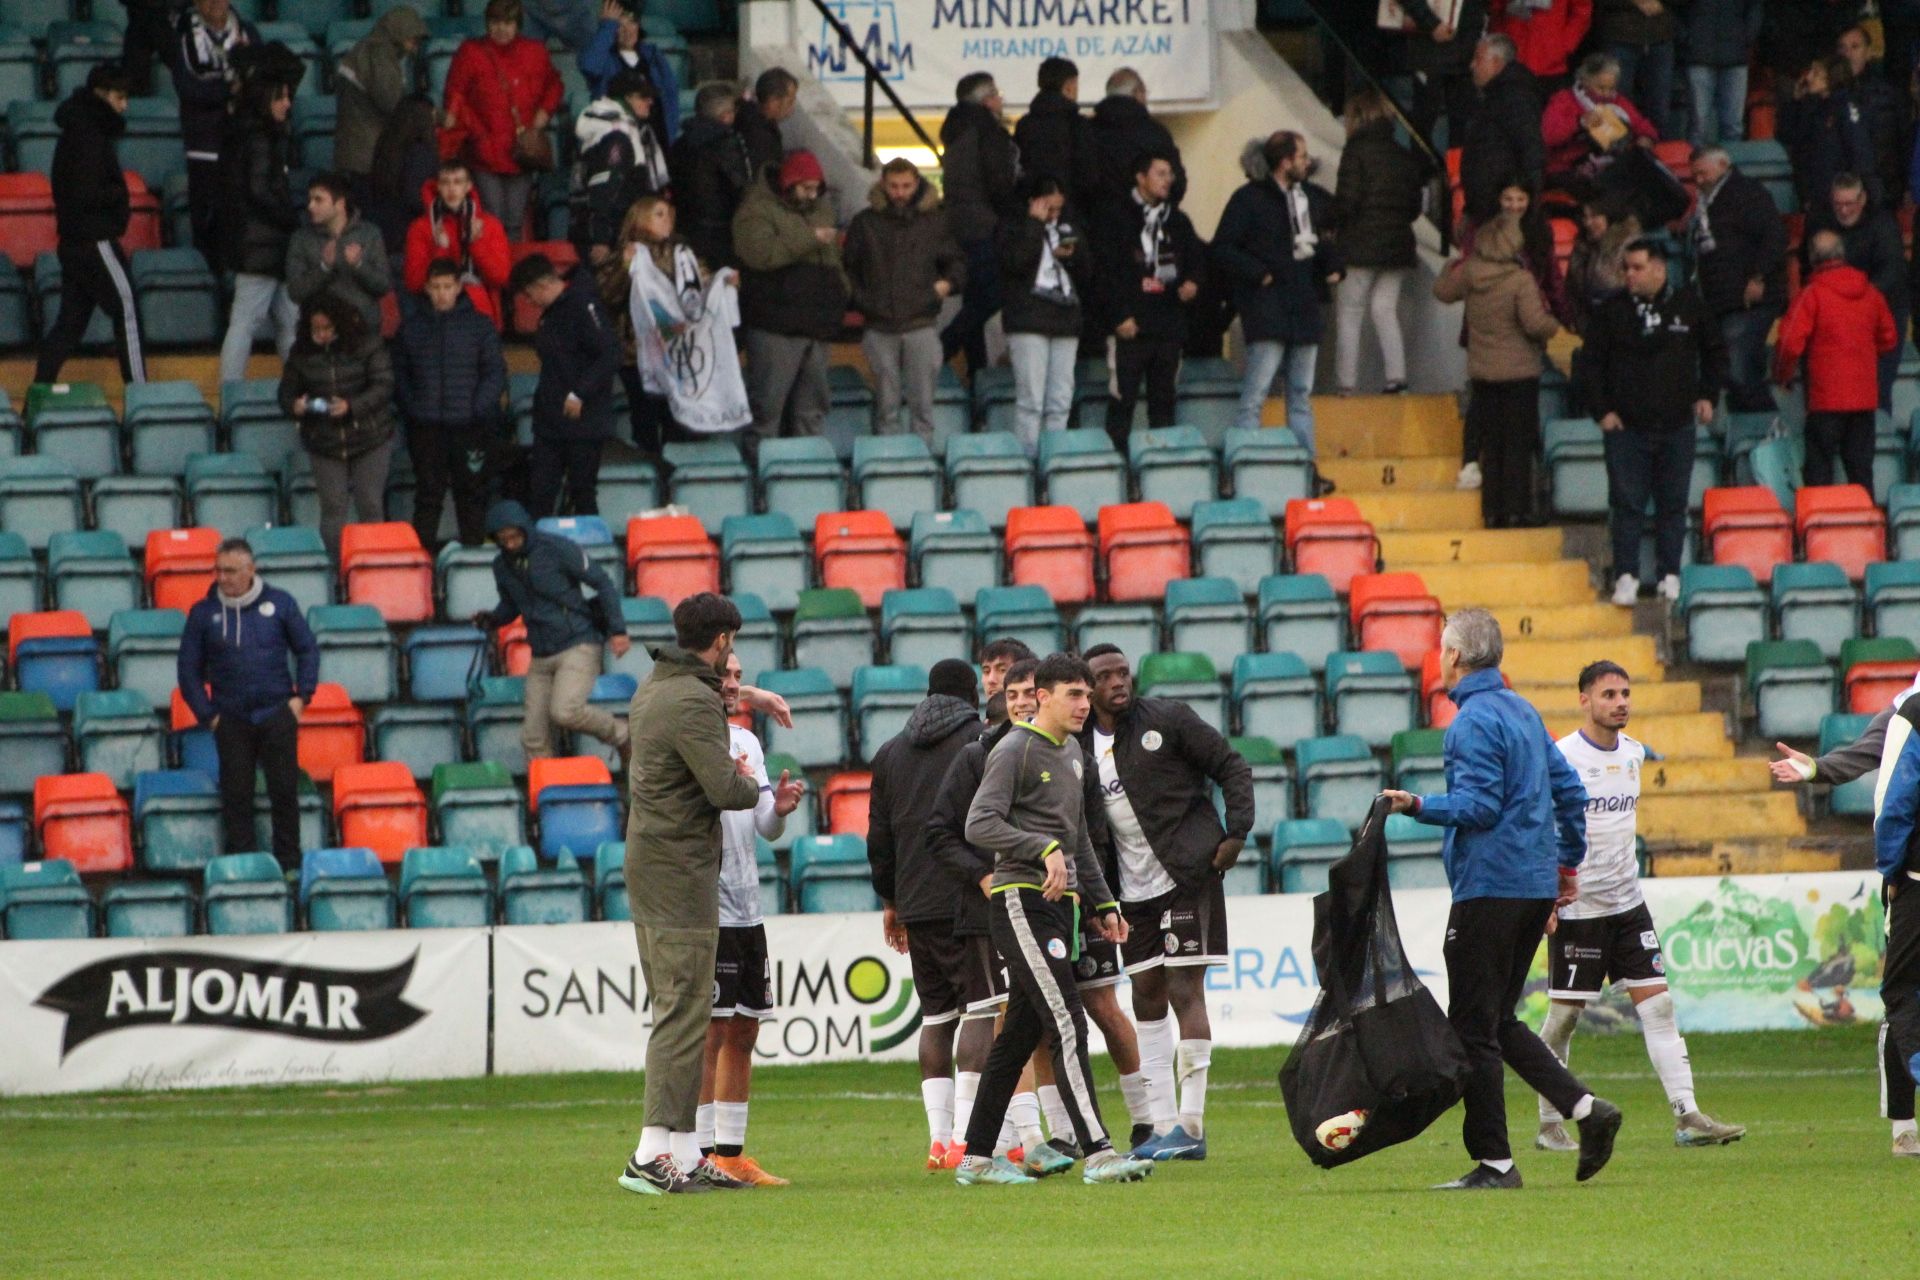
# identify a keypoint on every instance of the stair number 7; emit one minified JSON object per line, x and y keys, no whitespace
{"x":1456,"y":544}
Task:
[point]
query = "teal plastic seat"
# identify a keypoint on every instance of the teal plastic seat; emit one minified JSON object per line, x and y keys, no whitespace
{"x":93,"y":573}
{"x":1174,"y":465}
{"x":1209,"y":616}
{"x":883,"y":698}
{"x":1025,"y":613}
{"x":231,"y":492}
{"x":1903,"y":517}
{"x":624,"y":490}
{"x":132,"y":506}
{"x":1414,"y":858}
{"x":1272,"y":789}
{"x":1135,"y":628}
{"x":533,"y":894}
{"x":833,"y":632}
{"x":1275,"y":697}
{"x":802,"y":478}
{"x":149,"y":909}
{"x":1575,"y":450}
{"x":1419,"y":761}
{"x":955,"y":550}
{"x":759,"y":641}
{"x":32,"y":743}
{"x":990,"y":473}
{"x":1186,"y":677}
{"x":1725,"y":611}
{"x":773,"y":879}
{"x":1815,"y":601}
{"x":254,"y":424}
{"x":710,"y":480}
{"x":610,"y":881}
{"x":421,"y":736}
{"x":896,"y":474}
{"x":766,"y":556}
{"x":294,"y":558}
{"x":20,"y":579}
{"x":1299,"y":613}
{"x":116,"y":732}
{"x":496,"y":707}
{"x":831,"y":873}
{"x":477,"y":807}
{"x":443,"y":887}
{"x":1303,"y":849}
{"x":1234,"y":538}
{"x":176,"y":293}
{"x":1268,"y":465}
{"x":1792,"y":687}
{"x":1082,"y":470}
{"x":818,"y":739}
{"x":650,"y":625}
{"x":176,"y":816}
{"x":72,"y":421}
{"x":312,"y":814}
{"x":1893,"y":597}
{"x":166,"y":424}
{"x":1339,"y":778}
{"x":922,"y":625}
{"x":42,"y":901}
{"x":1371,"y":694}
{"x":345,"y":889}
{"x":143,"y":648}
{"x":1852,"y":798}
{"x":40,"y":497}
{"x":357,"y":651}
{"x":464,"y":578}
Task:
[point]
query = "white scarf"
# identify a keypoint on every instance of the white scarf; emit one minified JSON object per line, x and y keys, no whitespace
{"x":1153,"y":228}
{"x":1304,"y":239}
{"x":685,"y":341}
{"x":1052,"y":278}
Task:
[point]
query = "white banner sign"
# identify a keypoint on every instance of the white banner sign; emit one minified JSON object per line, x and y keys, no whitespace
{"x":923,"y":47}
{"x":298,"y":1008}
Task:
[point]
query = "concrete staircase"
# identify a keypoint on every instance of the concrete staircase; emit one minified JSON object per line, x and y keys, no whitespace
{"x":1705,"y":809}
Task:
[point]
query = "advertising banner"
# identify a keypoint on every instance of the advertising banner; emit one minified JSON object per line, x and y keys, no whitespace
{"x":298,"y":1008}
{"x":923,"y":47}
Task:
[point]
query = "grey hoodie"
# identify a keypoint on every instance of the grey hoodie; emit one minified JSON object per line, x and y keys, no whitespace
{"x":1031,"y":802}
{"x":907,"y":773}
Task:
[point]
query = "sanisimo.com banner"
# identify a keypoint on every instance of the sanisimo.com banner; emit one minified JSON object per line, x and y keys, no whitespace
{"x":1745,"y":954}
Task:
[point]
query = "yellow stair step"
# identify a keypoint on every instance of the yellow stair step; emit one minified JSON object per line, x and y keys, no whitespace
{"x":1690,"y":735}
{"x":1562,"y":622}
{"x":1703,"y":777}
{"x":1555,"y":582}
{"x":1718,"y":817}
{"x":1410,"y":509}
{"x":1560,"y":661}
{"x":1379,"y":426}
{"x":1410,"y":550}
{"x":1756,"y":857}
{"x":1389,"y":475}
{"x":1561,"y":698}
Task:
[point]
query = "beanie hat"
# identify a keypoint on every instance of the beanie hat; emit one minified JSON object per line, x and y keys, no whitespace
{"x":956,"y":679}
{"x":800,"y":166}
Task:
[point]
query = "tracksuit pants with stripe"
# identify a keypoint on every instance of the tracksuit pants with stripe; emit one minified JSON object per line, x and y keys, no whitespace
{"x":93,"y":275}
{"x":1900,"y":992}
{"x":1036,"y":939}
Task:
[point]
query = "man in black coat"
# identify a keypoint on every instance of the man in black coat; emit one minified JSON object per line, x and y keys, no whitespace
{"x":1149,"y":265}
{"x":1122,"y":132}
{"x":979,"y":166}
{"x":448,"y":376}
{"x":712,"y":166}
{"x":91,"y":209}
{"x":1501,"y":144}
{"x":757,"y":120}
{"x":1740,"y":245}
{"x":257,"y":220}
{"x":206,"y":36}
{"x":1872,"y":239}
{"x":1440,"y":56}
{"x":1884,"y":109}
{"x":1053,"y":138}
{"x":573,"y":402}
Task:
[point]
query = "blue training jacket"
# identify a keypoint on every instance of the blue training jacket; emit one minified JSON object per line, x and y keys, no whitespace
{"x":1514,"y":810}
{"x":243,"y":654}
{"x":1895,"y":825}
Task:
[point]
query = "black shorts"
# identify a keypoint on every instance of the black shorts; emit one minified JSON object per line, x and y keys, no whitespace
{"x":1584,"y":955}
{"x":983,"y":982}
{"x":1181,"y":927}
{"x":939,"y":963}
{"x":742,"y":974}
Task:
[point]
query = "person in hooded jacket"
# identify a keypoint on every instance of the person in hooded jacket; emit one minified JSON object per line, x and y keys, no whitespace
{"x":1871,"y":237}
{"x":712,"y":172}
{"x":257,"y":222}
{"x":621,"y":160}
{"x":234,"y":675}
{"x":620,"y":44}
{"x":573,"y":402}
{"x":903,"y":264}
{"x":1377,"y":199}
{"x":1842,"y":326}
{"x":979,"y":166}
{"x":372,"y":79}
{"x":91,"y":208}
{"x":1508,"y":325}
{"x":449,"y":376}
{"x":453,"y":225}
{"x":1053,"y":139}
{"x":793,"y":297}
{"x":338,"y":385}
{"x":917,"y":892}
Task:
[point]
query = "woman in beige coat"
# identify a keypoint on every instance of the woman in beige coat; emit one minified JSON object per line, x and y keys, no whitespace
{"x":1508,"y":325}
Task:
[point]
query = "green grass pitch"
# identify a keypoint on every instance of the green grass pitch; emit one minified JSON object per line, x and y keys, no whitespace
{"x":515,"y":1177}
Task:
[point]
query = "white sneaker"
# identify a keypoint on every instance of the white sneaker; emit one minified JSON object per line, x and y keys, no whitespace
{"x":1554,"y":1137}
{"x":1907,"y":1144}
{"x":1670,"y":587}
{"x":1626,"y":590}
{"x":1469,"y":477}
{"x":1697,"y":1129}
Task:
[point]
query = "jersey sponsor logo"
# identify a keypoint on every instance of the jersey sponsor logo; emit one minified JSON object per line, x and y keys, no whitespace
{"x":1166,"y":919}
{"x":1151,"y":740}
{"x":1056,"y":948}
{"x":1613,"y":804}
{"x":1114,"y":790}
{"x":1046,"y":775}
{"x":1650,"y":939}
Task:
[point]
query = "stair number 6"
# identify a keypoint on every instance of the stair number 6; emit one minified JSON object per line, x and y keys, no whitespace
{"x":1526,"y":624}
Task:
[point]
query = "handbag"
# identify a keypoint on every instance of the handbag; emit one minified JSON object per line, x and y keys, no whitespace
{"x":532,"y":148}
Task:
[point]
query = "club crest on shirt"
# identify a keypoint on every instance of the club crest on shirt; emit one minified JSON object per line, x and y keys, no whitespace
{"x":1078,"y":770}
{"x":266,"y":609}
{"x":1046,"y":775}
{"x":1151,"y":740}
{"x":1056,"y":948}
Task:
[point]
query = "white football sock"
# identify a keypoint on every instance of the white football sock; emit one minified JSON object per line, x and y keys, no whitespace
{"x":937,"y":1097}
{"x":1904,"y":1126}
{"x":1059,"y":1123}
{"x":1156,"y":1064}
{"x":1668,"y":1051}
{"x":965,"y":1085}
{"x":1583,"y":1108}
{"x":653,"y":1144}
{"x":730,"y":1124}
{"x":1193,"y":1058}
{"x":1135,"y":1090}
{"x":1009,"y":1136}
{"x":703,"y":1126}
{"x":1498,"y":1166}
{"x":1024,"y":1111}
{"x":1558,"y":1036}
{"x":686,"y":1151}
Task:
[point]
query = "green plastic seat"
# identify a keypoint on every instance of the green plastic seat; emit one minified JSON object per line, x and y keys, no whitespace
{"x":477,"y":807}
{"x":1186,"y":677}
{"x":832,"y":631}
{"x":32,"y":743}
{"x":1419,"y":761}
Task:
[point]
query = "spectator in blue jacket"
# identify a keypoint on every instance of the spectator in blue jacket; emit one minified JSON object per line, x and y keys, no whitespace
{"x":233,"y":672}
{"x":579,"y":354}
{"x":448,"y":376}
{"x":544,"y":580}
{"x":1516,"y":833}
{"x":620,"y":42}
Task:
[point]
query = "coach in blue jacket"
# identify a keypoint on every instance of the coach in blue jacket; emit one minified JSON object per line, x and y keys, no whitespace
{"x":1516,"y":832}
{"x":234,"y":674}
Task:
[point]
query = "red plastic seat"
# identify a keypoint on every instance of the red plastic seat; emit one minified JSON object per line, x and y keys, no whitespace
{"x":179,"y":564}
{"x":81,"y":818}
{"x":1329,"y":536}
{"x":861,"y":550}
{"x":1395,"y":612}
{"x":1838,"y":522}
{"x":27,"y":227}
{"x":848,"y":795}
{"x":378,"y":806}
{"x":1746,"y":525}
{"x":1872,"y":686}
{"x":1145,"y":548}
{"x":512,"y":648}
{"x":1441,"y":708}
{"x":1050,"y":547}
{"x":68,"y":623}
{"x":333,"y":734}
{"x":671,"y":557}
{"x":564,"y":771}
{"x":385,"y":566}
{"x":143,"y":224}
{"x":525,"y":317}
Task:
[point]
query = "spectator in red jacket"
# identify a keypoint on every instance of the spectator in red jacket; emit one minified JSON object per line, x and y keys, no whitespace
{"x":1546,"y":32}
{"x":497,"y":87}
{"x":454,"y":225}
{"x":1590,"y":120}
{"x":1842,"y":325}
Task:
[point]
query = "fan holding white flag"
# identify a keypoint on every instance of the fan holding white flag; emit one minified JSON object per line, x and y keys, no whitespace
{"x":684,"y":335}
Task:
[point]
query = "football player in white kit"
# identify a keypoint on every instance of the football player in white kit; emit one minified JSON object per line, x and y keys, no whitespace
{"x":743,"y":974}
{"x":1607,"y":933}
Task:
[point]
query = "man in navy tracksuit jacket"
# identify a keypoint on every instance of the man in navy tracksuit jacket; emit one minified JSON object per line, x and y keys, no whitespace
{"x":234,"y":675}
{"x":1896,"y":828}
{"x":1516,"y":833}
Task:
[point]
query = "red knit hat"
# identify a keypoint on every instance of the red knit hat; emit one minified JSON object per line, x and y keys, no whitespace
{"x":800,"y":166}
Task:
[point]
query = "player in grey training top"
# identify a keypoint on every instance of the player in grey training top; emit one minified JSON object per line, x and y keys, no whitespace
{"x":1607,"y":932}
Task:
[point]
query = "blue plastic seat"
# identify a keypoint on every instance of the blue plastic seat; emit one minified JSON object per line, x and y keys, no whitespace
{"x":176,"y":816}
{"x":357,"y":651}
{"x":16,"y":831}
{"x":577,"y":818}
{"x":439,"y":660}
{"x":1339,"y":778}
{"x":1276,"y":697}
{"x":444,"y":888}
{"x":44,"y":901}
{"x":955,"y":550}
{"x":1372,"y":695}
{"x":831,"y":873}
{"x":62,"y":667}
{"x":532,"y":894}
{"x":345,"y":889}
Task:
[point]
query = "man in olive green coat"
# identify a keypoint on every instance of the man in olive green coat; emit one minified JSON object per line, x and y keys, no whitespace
{"x":683,"y":775}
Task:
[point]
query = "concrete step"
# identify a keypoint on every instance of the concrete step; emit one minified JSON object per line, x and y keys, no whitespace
{"x":1689,"y":736}
{"x":1491,"y":586}
{"x":1411,"y":550}
{"x":1703,"y":777}
{"x":1650,"y":698}
{"x":1408,"y":509}
{"x":1560,"y":661}
{"x":1380,"y":426}
{"x":1563,"y":622}
{"x":1389,"y":475}
{"x":1720,"y":817}
{"x":1756,"y":857}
